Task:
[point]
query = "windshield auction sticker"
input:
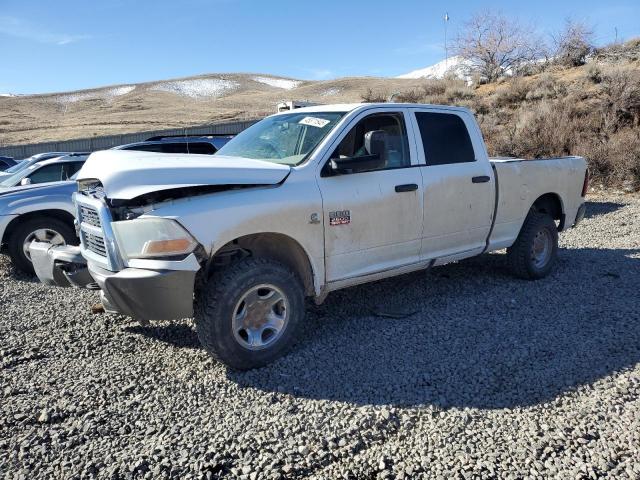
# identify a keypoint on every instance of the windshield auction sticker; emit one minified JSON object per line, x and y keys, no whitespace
{"x":313,"y":122}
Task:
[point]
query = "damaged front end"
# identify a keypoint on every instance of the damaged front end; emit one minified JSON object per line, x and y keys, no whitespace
{"x":142,"y":287}
{"x":62,"y":266}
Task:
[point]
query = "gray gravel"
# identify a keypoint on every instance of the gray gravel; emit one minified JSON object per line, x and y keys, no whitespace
{"x":492,"y":377}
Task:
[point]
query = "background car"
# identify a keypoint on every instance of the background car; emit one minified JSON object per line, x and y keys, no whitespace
{"x":27,"y":162}
{"x":6,"y":162}
{"x":196,"y":144}
{"x":42,"y":212}
{"x":47,"y":171}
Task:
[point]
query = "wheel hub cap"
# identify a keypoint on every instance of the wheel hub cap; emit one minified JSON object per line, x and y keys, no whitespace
{"x":45,"y":235}
{"x":541,"y":251}
{"x":260,"y":317}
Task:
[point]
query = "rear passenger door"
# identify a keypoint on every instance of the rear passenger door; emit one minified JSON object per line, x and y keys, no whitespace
{"x":458,"y":181}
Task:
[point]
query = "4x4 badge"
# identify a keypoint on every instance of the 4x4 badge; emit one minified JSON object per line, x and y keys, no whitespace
{"x":340,"y":217}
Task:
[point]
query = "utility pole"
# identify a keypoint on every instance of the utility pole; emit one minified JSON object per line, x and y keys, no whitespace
{"x":446,"y":52}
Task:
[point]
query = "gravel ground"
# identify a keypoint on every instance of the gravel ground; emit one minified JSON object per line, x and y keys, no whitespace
{"x":491,"y":377}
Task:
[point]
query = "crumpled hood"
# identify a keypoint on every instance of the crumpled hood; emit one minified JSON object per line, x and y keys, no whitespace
{"x":128,"y":174}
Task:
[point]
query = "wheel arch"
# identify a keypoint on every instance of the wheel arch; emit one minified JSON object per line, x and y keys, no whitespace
{"x":551,"y":204}
{"x":61,"y":215}
{"x":275,"y":246}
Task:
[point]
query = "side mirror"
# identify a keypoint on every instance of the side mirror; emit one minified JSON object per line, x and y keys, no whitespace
{"x":25,"y":181}
{"x":375,"y":144}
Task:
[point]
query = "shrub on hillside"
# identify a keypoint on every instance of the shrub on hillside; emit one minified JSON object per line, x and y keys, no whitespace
{"x":371,"y":96}
{"x":621,"y":98}
{"x":614,"y":160}
{"x":546,"y":87}
{"x":511,"y":92}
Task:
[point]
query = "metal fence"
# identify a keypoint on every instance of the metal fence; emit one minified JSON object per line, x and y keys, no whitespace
{"x":102,"y":143}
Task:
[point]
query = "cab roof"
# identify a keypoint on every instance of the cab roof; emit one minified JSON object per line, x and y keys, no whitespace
{"x":349,"y":107}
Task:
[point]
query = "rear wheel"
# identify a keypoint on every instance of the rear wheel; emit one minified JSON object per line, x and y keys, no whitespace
{"x":49,"y":230}
{"x":249,"y":313}
{"x":534,"y":252}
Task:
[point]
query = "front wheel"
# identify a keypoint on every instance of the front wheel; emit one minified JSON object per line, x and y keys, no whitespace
{"x":249,"y":313}
{"x":534,"y":252}
{"x":49,"y":230}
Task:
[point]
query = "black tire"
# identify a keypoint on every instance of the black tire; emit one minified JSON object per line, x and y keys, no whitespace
{"x":215,"y":308}
{"x":520,"y":255}
{"x":24,"y":229}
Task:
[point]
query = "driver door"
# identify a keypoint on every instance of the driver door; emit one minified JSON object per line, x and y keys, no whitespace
{"x":372,"y":219}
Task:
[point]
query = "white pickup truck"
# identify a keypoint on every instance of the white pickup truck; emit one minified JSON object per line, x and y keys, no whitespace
{"x":298,"y":205}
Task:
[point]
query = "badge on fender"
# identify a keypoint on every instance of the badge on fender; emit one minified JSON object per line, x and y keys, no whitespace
{"x":340,"y":217}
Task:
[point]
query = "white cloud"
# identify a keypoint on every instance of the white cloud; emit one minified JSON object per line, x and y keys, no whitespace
{"x":15,"y":27}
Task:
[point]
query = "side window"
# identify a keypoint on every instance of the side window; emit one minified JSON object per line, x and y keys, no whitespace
{"x":202,"y":148}
{"x":445,"y":138}
{"x":174,"y":148}
{"x":50,"y":173}
{"x":397,"y":144}
{"x":72,"y":168}
{"x":152,"y":147}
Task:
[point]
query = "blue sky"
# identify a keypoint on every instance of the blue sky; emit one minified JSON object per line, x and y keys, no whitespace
{"x":59,"y":45}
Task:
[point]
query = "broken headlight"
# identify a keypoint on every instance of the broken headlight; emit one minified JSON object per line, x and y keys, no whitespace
{"x":152,"y":238}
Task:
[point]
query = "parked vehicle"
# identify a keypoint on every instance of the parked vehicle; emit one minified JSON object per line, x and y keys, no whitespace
{"x":300,"y":204}
{"x":6,"y":162}
{"x":194,"y":144}
{"x":42,"y":212}
{"x":52,"y":170}
{"x":27,"y":162}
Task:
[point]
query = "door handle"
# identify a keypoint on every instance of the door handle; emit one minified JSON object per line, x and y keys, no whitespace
{"x":481,"y":179}
{"x":408,"y":187}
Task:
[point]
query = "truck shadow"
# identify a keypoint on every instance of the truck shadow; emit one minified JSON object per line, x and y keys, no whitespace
{"x":179,"y":335}
{"x":595,"y":209}
{"x":479,"y":338}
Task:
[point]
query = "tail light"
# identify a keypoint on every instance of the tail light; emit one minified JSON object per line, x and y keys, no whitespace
{"x":585,"y":185}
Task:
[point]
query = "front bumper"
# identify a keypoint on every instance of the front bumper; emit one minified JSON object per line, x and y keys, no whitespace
{"x":144,"y":294}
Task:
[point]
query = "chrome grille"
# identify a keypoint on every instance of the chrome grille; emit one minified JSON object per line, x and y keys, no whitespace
{"x":94,"y":243}
{"x":90,"y":216}
{"x":96,"y":234}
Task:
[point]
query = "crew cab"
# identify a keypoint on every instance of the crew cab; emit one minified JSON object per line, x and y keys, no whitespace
{"x":301,"y":204}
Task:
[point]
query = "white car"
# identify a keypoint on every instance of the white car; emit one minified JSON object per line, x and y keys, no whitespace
{"x":298,"y":205}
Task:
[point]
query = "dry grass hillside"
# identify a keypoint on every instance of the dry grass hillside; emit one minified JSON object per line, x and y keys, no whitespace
{"x":591,"y":110}
{"x":169,"y":104}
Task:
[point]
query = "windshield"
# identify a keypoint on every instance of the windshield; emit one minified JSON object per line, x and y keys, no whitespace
{"x":17,"y":167}
{"x":286,"y":139}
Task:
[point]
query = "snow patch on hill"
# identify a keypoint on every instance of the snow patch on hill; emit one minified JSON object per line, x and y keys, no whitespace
{"x":330,"y":92}
{"x":455,"y":66}
{"x":104,"y":94}
{"x":283,"y":83}
{"x":197,"y":88}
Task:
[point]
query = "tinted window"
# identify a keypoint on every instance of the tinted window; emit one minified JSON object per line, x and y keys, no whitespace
{"x":154,"y":147}
{"x":50,"y":173}
{"x":397,"y":151}
{"x":72,"y":168}
{"x":202,"y":148}
{"x":445,"y":138}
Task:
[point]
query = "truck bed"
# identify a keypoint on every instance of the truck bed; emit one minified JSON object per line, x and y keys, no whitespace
{"x":520,"y":182}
